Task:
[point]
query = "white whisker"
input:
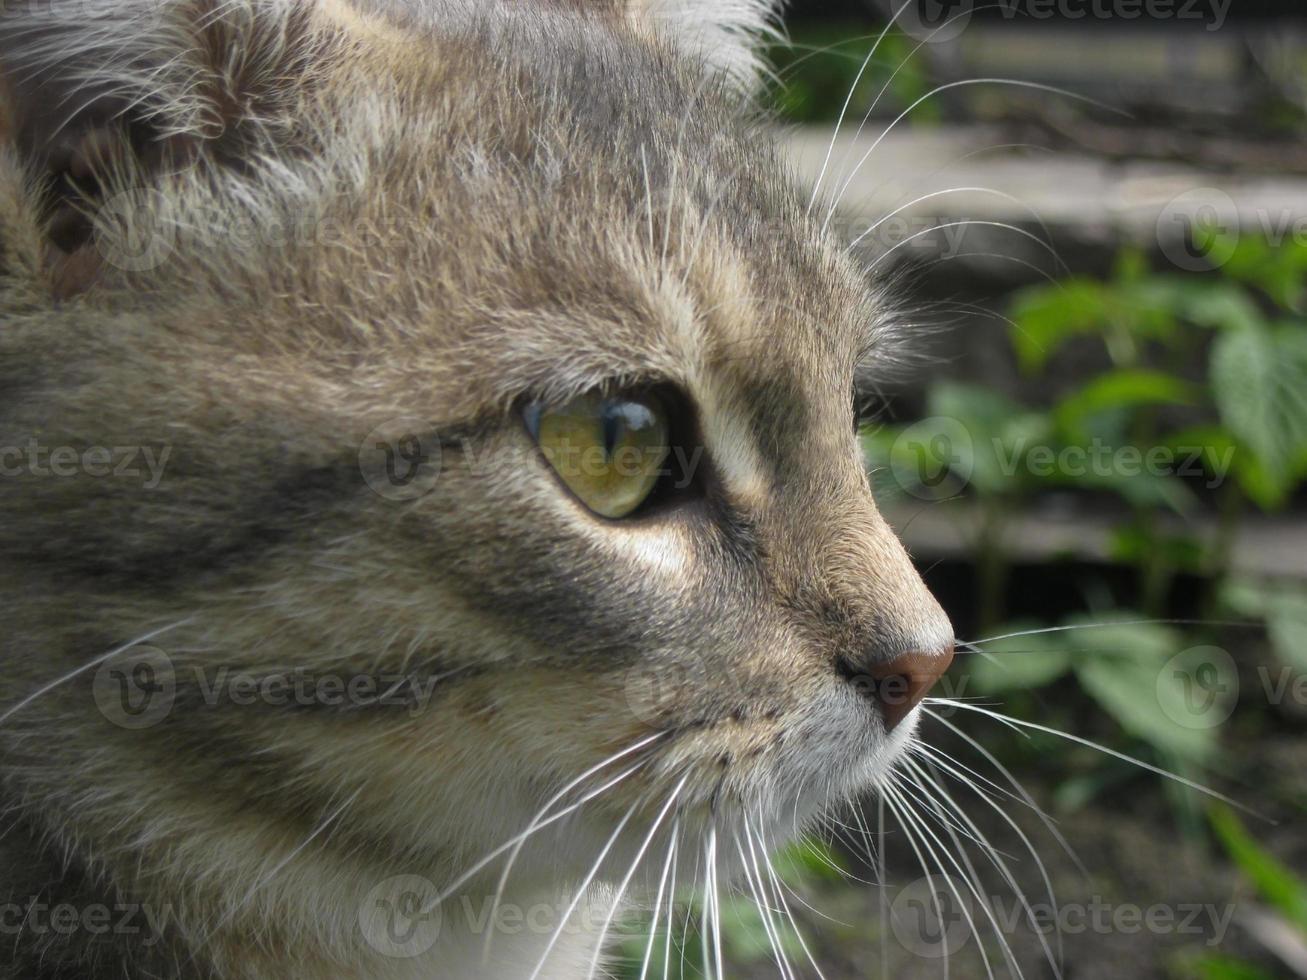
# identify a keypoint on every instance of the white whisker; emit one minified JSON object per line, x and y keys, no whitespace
{"x":1157,"y":770}
{"x":635,"y":864}
{"x":64,"y":679}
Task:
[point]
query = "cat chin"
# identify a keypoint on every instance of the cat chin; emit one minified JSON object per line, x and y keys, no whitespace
{"x":843,"y":761}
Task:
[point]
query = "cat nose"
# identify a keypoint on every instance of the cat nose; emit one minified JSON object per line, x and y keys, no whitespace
{"x":899,"y":685}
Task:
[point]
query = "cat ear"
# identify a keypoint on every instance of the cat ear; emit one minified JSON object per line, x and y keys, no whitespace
{"x":726,"y":35}
{"x":100,"y":98}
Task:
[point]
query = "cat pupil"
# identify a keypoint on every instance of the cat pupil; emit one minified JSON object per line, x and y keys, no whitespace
{"x":612,"y":421}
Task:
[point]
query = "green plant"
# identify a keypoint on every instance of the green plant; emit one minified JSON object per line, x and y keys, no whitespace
{"x":820,"y":68}
{"x":1205,"y":371}
{"x":1283,"y":892}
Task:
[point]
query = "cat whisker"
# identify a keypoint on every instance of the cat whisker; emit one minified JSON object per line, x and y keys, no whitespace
{"x":635,"y":864}
{"x":1006,"y":226}
{"x":1048,"y":822}
{"x":780,"y":889}
{"x":848,"y":99}
{"x":945,"y":819}
{"x":938,"y":852}
{"x":539,"y":823}
{"x":1043,"y":274}
{"x":1107,"y":624}
{"x":518,"y":842}
{"x":938,"y":760}
{"x":673,"y":836}
{"x":94,"y":662}
{"x":949,"y":86}
{"x":937,"y":796}
{"x":960,"y":857}
{"x":1089,"y":743}
{"x":712,"y":905}
{"x":903,"y":63}
{"x":907,"y":58}
{"x":941,"y":193}
{"x":648,"y":194}
{"x":753,"y":878}
{"x":582,"y":888}
{"x":280,"y":866}
{"x":671,"y":908}
{"x":895,"y":806}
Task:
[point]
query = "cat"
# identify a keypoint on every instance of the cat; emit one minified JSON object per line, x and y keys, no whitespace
{"x":432,"y":512}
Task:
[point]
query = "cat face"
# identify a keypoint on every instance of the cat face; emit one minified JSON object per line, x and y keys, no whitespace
{"x":338,"y":267}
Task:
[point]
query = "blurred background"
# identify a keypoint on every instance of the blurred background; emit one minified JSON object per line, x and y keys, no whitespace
{"x":1096,"y":212}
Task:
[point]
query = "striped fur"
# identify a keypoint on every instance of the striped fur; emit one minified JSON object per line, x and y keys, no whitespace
{"x":249,"y":235}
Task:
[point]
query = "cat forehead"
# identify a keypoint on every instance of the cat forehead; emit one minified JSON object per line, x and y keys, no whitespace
{"x":581,"y":208}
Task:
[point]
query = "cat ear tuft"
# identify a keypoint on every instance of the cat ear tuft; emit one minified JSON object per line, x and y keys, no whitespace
{"x":99,"y":97}
{"x":726,"y":35}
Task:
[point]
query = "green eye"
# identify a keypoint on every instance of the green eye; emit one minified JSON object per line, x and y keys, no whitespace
{"x":609,"y":451}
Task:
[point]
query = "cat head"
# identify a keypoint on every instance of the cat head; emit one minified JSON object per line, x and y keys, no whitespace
{"x":322,"y":327}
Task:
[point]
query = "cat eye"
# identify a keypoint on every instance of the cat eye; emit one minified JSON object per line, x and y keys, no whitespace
{"x":608,"y":450}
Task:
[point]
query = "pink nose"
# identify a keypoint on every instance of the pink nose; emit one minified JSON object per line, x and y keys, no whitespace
{"x":898,"y":685}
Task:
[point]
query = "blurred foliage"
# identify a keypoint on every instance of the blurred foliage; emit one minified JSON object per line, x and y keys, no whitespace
{"x":823,"y":67}
{"x":1209,"y":370}
{"x":1283,"y":892}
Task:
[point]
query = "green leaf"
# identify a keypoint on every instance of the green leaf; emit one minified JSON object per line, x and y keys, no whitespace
{"x":1221,"y":306}
{"x":1245,"y":596}
{"x":1286,"y":622}
{"x":1211,"y":446}
{"x":1045,"y":317}
{"x":1217,"y":967}
{"x":1124,"y":668}
{"x":1142,"y":489}
{"x":1139,"y":544}
{"x":987,"y":433}
{"x":1020,"y":662}
{"x":1125,"y":388}
{"x":1259,"y":378}
{"x":1275,"y":268}
{"x":807,"y":859}
{"x":1274,"y":882}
